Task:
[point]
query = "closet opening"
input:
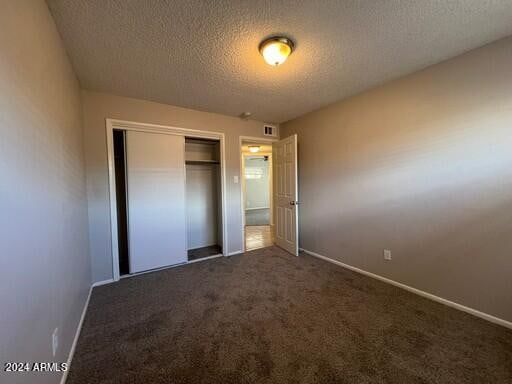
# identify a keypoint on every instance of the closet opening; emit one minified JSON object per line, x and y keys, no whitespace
{"x":122,"y":221}
{"x":203,"y":198}
{"x":146,"y":209}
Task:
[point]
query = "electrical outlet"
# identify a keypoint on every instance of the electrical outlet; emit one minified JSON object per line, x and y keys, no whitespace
{"x":55,"y":340}
{"x":387,"y":254}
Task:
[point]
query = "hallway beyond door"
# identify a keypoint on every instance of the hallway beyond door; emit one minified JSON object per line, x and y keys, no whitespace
{"x":257,"y":236}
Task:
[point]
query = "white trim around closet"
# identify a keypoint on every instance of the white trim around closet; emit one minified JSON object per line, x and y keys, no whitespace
{"x":110,"y":125}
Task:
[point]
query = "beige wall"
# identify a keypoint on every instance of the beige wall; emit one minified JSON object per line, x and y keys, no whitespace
{"x":98,"y":107}
{"x":44,"y":263}
{"x":421,"y":166}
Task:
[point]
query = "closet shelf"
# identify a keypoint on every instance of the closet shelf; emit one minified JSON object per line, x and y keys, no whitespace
{"x":202,"y":162}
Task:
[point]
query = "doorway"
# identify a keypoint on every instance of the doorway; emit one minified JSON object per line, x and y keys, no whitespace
{"x":257,"y":194}
{"x":279,"y":159}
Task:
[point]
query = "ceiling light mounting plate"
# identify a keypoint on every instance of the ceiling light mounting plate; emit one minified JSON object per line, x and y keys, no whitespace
{"x":277,"y":39}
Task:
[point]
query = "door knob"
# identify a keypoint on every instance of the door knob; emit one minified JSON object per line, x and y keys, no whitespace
{"x":294,"y":203}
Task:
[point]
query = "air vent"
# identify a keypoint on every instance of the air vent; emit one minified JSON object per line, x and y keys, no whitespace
{"x":269,"y":130}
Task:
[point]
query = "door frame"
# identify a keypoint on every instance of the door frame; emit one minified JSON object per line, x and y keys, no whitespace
{"x":256,"y":140}
{"x":110,"y":125}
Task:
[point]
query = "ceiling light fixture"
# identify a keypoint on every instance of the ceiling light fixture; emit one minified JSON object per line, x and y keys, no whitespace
{"x":254,"y":148}
{"x":276,"y":49}
{"x":245,"y":115}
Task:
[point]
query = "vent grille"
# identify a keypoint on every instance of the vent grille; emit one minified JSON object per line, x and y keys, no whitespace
{"x":269,"y":130}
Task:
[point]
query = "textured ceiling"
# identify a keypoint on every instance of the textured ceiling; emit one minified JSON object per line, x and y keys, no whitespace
{"x":204,"y":54}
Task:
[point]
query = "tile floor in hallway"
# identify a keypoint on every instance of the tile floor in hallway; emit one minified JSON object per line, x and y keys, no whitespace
{"x":257,"y":236}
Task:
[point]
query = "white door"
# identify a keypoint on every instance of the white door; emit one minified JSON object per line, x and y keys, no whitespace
{"x":156,"y":200}
{"x":284,"y":154}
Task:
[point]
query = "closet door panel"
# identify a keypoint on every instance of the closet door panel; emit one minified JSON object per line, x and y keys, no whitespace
{"x":156,"y":200}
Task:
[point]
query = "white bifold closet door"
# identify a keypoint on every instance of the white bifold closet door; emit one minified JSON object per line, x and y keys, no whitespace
{"x":156,"y":200}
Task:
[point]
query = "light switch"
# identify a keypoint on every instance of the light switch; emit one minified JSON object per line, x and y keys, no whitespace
{"x":235,"y":179}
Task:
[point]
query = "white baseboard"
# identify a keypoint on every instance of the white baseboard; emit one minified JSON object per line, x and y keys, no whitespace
{"x":103,"y":282}
{"x":235,"y":253}
{"x":77,"y":335}
{"x":460,"y":307}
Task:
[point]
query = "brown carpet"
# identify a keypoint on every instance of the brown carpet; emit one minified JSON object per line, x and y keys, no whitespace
{"x":269,"y":317}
